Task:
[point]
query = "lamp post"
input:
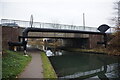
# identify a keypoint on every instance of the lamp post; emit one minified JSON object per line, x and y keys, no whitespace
{"x":84,"y":21}
{"x":31,"y":21}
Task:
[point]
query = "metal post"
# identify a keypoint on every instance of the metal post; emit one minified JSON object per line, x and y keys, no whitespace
{"x":19,"y":38}
{"x":40,"y":25}
{"x":83,"y":21}
{"x":24,"y":45}
{"x":31,"y":21}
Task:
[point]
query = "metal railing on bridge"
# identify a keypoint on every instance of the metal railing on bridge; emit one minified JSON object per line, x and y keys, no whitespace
{"x":26,"y":24}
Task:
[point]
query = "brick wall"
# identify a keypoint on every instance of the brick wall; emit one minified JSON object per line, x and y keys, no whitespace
{"x":9,"y":34}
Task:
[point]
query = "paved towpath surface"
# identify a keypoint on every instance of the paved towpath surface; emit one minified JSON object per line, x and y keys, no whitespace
{"x":34,"y":68}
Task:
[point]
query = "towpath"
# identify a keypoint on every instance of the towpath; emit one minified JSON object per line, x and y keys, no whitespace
{"x":34,"y":68}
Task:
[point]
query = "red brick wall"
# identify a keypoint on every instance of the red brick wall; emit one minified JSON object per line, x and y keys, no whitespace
{"x":9,"y":34}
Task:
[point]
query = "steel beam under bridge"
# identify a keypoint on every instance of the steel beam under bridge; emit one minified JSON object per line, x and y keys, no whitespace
{"x":50,"y":37}
{"x":25,"y":32}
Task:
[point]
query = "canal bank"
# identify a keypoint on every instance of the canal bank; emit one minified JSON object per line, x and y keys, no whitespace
{"x":48,"y":70}
{"x":104,"y":51}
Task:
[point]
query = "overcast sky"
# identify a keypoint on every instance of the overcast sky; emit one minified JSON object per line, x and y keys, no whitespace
{"x":97,"y":12}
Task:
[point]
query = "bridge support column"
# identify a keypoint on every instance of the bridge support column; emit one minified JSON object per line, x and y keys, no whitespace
{"x":105,"y":40}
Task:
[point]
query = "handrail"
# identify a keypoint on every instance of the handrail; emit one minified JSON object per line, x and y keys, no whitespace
{"x":26,"y":24}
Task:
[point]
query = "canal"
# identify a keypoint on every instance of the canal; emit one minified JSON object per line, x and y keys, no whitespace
{"x":74,"y":64}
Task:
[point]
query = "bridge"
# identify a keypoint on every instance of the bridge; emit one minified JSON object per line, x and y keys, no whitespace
{"x":23,"y":31}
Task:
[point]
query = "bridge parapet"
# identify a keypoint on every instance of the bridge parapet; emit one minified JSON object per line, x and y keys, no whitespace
{"x":26,"y":24}
{"x":48,"y":25}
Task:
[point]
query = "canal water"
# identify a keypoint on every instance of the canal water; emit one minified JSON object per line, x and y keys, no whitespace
{"x":74,"y":64}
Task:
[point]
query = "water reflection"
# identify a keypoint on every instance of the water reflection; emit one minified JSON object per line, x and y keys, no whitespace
{"x":58,"y":53}
{"x":85,"y":65}
{"x":50,"y":52}
{"x":103,"y":72}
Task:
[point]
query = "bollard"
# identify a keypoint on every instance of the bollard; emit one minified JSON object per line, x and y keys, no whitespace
{"x":25,"y":53}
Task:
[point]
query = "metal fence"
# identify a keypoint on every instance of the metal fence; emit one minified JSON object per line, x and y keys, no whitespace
{"x":26,"y":24}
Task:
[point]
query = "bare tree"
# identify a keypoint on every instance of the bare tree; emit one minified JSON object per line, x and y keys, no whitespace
{"x":115,"y":42}
{"x":116,"y":19}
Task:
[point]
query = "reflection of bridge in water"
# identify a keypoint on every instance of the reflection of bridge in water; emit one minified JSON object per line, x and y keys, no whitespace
{"x":103,"y":72}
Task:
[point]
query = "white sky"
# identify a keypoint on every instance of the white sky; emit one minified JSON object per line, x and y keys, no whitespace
{"x":97,"y":12}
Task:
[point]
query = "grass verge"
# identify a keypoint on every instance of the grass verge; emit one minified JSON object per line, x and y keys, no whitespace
{"x":13,"y":63}
{"x":48,"y":71}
